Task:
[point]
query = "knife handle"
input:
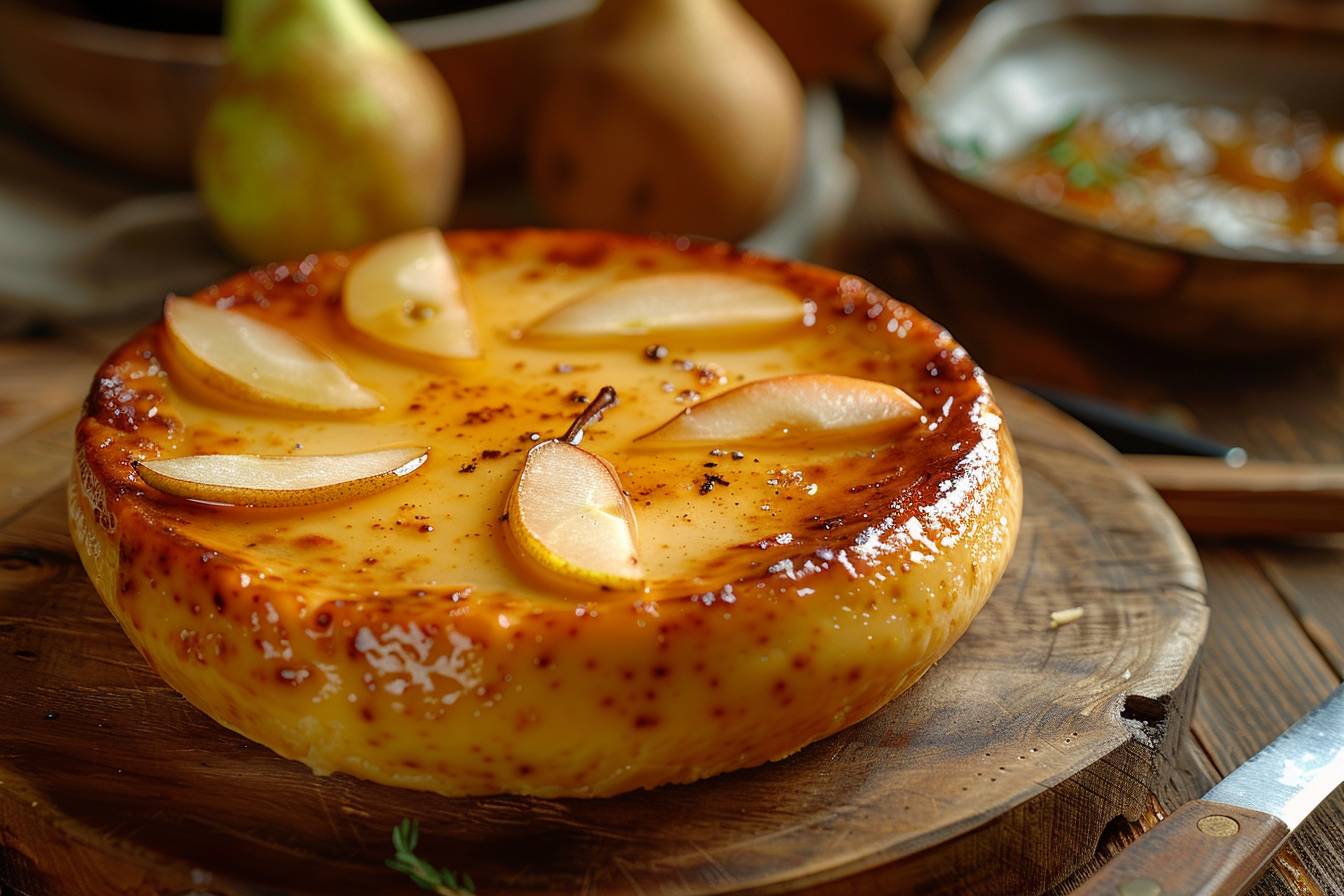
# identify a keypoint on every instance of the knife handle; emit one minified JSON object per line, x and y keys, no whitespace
{"x":1262,"y":498}
{"x":1201,"y":849}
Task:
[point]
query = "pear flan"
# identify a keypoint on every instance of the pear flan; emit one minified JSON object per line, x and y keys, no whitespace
{"x":542,"y":512}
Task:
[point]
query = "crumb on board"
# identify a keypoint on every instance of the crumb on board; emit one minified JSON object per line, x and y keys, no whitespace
{"x":1064,"y":617}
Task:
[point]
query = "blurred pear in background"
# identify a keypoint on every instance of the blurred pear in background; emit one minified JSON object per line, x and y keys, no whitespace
{"x":327,"y":132}
{"x":668,"y":115}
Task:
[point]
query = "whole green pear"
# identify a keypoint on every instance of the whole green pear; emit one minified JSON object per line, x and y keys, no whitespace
{"x":327,"y":131}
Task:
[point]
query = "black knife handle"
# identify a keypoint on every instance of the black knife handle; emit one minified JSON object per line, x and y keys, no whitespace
{"x":1131,"y":433}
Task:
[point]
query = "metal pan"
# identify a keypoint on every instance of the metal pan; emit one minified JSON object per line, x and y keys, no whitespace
{"x":1022,"y":66}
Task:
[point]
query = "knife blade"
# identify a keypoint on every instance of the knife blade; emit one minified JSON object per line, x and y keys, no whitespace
{"x":1296,"y":772}
{"x":1132,"y":433}
{"x":1218,"y":845}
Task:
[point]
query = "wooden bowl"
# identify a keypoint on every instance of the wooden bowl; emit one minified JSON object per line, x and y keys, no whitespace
{"x":135,"y":97}
{"x":1023,"y":66}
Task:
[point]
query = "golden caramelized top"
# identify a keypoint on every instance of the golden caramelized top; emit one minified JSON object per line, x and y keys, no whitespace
{"x":707,"y":516}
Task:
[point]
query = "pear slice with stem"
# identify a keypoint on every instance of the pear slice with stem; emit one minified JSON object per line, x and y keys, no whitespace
{"x":253,"y":361}
{"x":568,"y":513}
{"x":666,"y":304}
{"x":804,"y":407}
{"x":405,"y":293}
{"x":257,"y":480}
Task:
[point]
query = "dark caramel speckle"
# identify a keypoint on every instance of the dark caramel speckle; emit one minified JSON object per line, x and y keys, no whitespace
{"x":711,"y":480}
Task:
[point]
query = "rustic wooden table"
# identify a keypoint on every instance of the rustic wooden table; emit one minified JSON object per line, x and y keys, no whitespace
{"x":1276,"y":644}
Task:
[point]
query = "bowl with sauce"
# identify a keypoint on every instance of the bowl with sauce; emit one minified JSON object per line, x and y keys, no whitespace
{"x":1171,"y":167}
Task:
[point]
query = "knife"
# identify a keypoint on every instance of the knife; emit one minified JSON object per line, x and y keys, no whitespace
{"x":1132,"y":433}
{"x":1219,"y":844}
{"x":1212,"y":487}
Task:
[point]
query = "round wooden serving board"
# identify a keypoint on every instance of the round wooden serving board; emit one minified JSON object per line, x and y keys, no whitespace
{"x":995,"y":774}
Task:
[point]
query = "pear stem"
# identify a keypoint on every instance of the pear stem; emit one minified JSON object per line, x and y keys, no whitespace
{"x":606,"y":397}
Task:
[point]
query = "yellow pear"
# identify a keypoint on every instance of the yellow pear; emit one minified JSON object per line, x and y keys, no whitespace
{"x":670,"y":115}
{"x":665,"y":304}
{"x":404,"y":293}
{"x":280,"y":480}
{"x":568,"y":513}
{"x":327,"y":132}
{"x":803,"y":408}
{"x":255,"y":362}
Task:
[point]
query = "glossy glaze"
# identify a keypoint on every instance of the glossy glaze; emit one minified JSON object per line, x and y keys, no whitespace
{"x":397,"y":638}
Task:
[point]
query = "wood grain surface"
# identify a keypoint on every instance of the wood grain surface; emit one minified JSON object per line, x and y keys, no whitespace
{"x":1276,"y":639}
{"x":999,"y":773}
{"x":1275,"y":645}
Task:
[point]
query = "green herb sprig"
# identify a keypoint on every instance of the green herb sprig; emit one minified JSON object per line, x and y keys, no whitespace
{"x":1083,"y":173}
{"x":441,"y":881}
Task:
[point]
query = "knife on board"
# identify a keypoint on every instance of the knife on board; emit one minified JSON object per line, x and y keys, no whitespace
{"x":1212,"y":487}
{"x":1219,"y":844}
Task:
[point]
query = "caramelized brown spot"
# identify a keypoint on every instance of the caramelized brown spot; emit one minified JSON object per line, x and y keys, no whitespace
{"x":589,"y":255}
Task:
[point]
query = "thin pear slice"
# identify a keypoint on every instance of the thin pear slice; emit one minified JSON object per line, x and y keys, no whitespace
{"x":256,"y":362}
{"x":663,"y":304}
{"x":405,"y":293}
{"x":803,"y":407}
{"x":568,"y":513}
{"x":256,"y":480}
